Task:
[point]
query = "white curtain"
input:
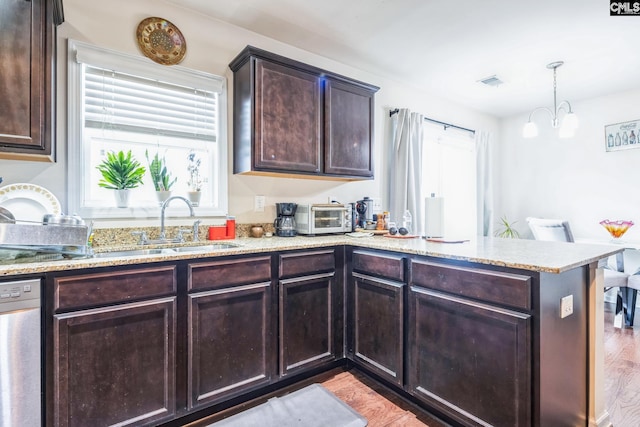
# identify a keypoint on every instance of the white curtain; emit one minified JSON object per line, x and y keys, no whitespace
{"x":405,"y":168}
{"x":484,"y":183}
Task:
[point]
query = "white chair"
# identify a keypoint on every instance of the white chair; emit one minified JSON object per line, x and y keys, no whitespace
{"x":558,"y":230}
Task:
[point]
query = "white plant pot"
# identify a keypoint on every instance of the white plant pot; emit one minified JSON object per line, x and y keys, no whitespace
{"x":163,"y":195}
{"x":122,"y":198}
{"x":194,"y":197}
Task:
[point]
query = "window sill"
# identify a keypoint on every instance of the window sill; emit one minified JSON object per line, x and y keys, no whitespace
{"x":144,"y":212}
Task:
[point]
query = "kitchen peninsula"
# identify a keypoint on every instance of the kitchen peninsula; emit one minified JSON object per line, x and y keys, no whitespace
{"x":472,"y":332}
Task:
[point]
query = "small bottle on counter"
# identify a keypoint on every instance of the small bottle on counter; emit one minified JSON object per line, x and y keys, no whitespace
{"x":407,"y":221}
{"x":380,"y":223}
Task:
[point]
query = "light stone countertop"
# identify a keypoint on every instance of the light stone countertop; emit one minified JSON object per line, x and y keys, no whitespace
{"x":550,"y":257}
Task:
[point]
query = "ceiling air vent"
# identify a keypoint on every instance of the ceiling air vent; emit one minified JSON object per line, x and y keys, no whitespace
{"x":491,"y":81}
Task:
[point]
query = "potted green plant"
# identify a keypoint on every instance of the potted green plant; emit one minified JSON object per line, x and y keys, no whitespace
{"x":120,"y":173}
{"x":506,"y":229}
{"x":160,"y":176}
{"x":195,"y":180}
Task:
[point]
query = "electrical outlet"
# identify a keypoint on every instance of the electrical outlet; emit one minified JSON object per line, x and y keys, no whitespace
{"x":376,"y":204}
{"x":258,"y":203}
{"x":566,"y":306}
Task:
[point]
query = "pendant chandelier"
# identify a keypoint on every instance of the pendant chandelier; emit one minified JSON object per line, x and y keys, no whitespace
{"x":567,"y":126}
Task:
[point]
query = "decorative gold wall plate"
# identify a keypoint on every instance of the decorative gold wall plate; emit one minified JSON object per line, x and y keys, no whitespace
{"x":161,"y":41}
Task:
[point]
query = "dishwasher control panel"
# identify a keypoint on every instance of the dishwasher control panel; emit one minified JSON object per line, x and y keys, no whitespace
{"x":19,"y":291}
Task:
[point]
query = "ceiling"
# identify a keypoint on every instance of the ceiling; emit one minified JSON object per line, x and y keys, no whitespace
{"x":445,"y":47}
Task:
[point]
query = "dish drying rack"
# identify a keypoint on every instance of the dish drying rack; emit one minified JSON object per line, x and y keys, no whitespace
{"x":67,"y":240}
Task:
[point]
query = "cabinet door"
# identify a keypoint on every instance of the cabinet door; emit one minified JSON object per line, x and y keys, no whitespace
{"x":470,"y":360}
{"x":348,"y":146}
{"x":378,"y":333}
{"x":288,"y":119}
{"x":115,"y":365}
{"x":26,"y":45}
{"x":230,"y":342}
{"x":306,"y":316}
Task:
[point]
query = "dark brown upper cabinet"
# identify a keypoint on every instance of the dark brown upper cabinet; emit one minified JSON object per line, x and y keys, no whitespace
{"x":27,"y":78}
{"x":348,"y":134}
{"x":287,"y":145}
{"x":290,"y":118}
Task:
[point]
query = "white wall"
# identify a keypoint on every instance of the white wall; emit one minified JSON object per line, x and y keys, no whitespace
{"x":211,"y":46}
{"x":574,"y":178}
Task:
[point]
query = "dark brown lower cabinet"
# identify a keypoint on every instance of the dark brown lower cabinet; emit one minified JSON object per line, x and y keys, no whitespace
{"x":306,"y":318}
{"x":116,"y":365}
{"x":480,"y":345}
{"x":114,"y":347}
{"x":229,"y":342}
{"x":470,"y":360}
{"x":378,"y":332}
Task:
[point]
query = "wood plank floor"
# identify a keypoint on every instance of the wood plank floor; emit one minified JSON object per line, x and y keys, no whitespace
{"x":380,"y":407}
{"x":622,"y":371}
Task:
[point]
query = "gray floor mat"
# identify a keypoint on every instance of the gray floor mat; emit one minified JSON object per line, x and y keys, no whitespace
{"x":312,"y":406}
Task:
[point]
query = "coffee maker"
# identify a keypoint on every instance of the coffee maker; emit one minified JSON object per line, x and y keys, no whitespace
{"x":364,"y":209}
{"x":285,"y":224}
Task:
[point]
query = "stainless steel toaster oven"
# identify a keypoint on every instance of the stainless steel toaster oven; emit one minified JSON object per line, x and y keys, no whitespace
{"x":312,"y":219}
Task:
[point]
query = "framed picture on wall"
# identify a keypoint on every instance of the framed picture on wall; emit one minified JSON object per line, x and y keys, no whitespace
{"x":622,"y":136}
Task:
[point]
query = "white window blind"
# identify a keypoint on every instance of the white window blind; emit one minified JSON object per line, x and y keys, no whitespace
{"x":119,"y":101}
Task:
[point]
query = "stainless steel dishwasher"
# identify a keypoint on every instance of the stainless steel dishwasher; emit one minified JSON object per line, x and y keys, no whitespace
{"x":20,"y":354}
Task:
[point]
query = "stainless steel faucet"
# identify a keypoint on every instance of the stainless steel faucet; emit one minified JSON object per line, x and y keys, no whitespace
{"x":196,"y":230}
{"x":164,"y":206}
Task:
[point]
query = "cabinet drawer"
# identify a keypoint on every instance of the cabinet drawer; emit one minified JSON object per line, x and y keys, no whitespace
{"x":86,"y":290}
{"x":225,"y":273}
{"x":496,"y":287}
{"x":300,"y":263}
{"x":388,"y":266}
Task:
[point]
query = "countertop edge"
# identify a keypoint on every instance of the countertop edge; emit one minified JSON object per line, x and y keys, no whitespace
{"x":531,"y":255}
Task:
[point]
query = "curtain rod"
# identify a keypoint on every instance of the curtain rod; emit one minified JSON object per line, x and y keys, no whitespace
{"x":446,"y":125}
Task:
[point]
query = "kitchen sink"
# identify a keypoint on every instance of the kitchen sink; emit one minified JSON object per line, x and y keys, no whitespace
{"x":164,"y":251}
{"x":133,"y":252}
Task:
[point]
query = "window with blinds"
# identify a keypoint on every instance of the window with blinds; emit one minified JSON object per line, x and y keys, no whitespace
{"x":126,"y":103}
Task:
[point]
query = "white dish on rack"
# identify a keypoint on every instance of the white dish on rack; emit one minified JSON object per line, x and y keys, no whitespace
{"x":28,"y":202}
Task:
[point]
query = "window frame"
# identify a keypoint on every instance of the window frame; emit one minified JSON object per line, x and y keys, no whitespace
{"x":141,"y":66}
